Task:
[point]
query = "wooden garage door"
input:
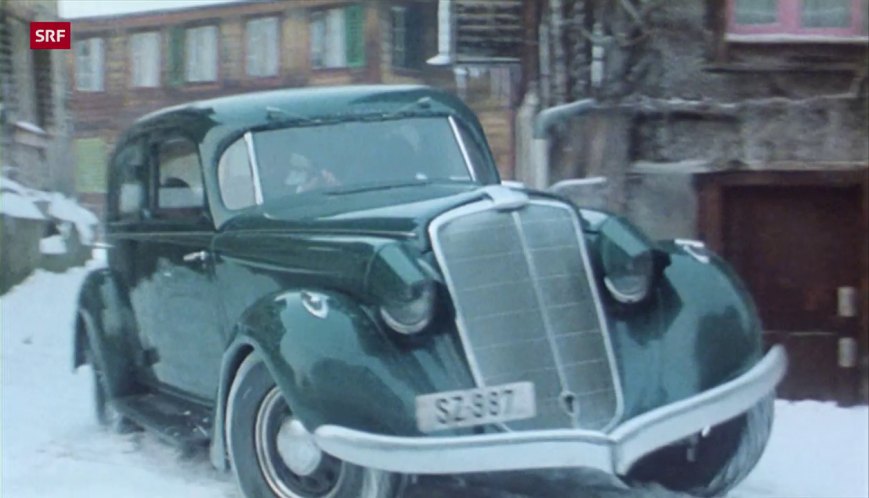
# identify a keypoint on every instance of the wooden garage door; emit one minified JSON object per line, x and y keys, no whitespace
{"x":796,"y":247}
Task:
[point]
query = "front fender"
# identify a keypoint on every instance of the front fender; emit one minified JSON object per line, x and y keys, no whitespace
{"x":701,"y":330}
{"x":342,"y":367}
{"x":104,"y":322}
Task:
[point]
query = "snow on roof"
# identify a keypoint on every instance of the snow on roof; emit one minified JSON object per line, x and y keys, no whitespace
{"x":18,"y":206}
{"x":68,"y":210}
{"x":17,"y":201}
{"x":12,"y":185}
{"x":31,"y":127}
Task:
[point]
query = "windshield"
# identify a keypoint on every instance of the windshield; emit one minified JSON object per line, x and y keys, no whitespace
{"x":359,"y":154}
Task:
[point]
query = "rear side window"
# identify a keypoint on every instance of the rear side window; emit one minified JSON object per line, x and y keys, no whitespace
{"x":179,"y":189}
{"x":235,"y":175}
{"x":130,"y":167}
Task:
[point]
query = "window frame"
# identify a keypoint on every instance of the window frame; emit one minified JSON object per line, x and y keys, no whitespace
{"x":353,"y":51}
{"x":272,"y":52}
{"x":412,"y":48}
{"x":150,"y":35}
{"x":788,"y":25}
{"x":116,"y":175}
{"x":180,"y":214}
{"x":94,"y":65}
{"x":395,"y":12}
{"x":188,"y":65}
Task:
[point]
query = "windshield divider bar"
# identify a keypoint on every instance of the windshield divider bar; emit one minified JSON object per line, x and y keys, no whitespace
{"x":251,"y":154}
{"x":464,"y":150}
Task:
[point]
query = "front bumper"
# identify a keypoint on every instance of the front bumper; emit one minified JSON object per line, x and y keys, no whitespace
{"x":612,"y":452}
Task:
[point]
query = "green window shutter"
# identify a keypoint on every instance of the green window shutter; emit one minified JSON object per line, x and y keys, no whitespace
{"x":176,"y":56}
{"x":354,"y":23}
{"x":90,"y":165}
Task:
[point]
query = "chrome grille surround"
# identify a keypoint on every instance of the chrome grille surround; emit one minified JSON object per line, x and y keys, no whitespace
{"x":533,"y":331}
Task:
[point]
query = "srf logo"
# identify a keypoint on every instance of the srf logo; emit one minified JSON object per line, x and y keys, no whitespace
{"x":50,"y":35}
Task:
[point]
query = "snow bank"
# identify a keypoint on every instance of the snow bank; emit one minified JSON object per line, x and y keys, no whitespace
{"x":817,"y":450}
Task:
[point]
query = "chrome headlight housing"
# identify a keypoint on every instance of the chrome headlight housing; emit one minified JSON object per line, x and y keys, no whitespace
{"x":413,"y":314}
{"x":628,"y":260}
{"x":404,"y":288}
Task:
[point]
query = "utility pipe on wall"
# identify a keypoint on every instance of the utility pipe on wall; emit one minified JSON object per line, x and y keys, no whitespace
{"x":543,"y":124}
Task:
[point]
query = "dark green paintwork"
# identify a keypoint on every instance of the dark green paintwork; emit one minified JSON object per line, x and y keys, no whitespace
{"x":359,"y":249}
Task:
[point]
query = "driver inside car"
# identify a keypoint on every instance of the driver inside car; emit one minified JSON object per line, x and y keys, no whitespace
{"x":302,"y":176}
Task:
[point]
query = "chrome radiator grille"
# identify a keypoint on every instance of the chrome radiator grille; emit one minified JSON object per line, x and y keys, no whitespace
{"x":526,"y":309}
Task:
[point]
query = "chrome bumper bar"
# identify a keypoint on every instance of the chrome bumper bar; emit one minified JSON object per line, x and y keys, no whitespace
{"x":612,"y":452}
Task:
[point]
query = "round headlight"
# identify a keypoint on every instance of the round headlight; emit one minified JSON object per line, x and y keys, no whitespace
{"x":629,"y":278}
{"x":412,"y":315}
{"x":628,"y":262}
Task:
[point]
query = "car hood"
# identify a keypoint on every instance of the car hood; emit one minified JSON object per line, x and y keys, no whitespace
{"x":338,"y":240}
{"x":401,"y":212}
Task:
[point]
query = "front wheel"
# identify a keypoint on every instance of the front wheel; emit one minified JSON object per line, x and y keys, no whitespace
{"x":713,"y":462}
{"x":273,"y":454}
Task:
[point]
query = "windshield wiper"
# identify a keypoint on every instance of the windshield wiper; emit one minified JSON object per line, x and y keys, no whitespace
{"x":388,"y":186}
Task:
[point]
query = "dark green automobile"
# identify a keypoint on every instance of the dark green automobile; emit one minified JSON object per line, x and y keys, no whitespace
{"x":333,"y":291}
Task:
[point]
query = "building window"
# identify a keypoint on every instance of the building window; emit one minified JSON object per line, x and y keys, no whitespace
{"x":90,"y":164}
{"x":338,"y":37}
{"x":43,"y":79}
{"x":261,"y":47}
{"x":406,"y":28}
{"x":798,"y":18}
{"x":89,"y":65}
{"x":200,"y":54}
{"x":145,"y":59}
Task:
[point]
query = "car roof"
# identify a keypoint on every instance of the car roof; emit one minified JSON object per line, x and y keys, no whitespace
{"x":301,"y":103}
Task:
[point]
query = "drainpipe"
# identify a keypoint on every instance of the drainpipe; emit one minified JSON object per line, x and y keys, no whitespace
{"x":445,"y":34}
{"x":543,"y":125}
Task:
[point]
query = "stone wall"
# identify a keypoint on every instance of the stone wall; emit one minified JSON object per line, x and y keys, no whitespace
{"x":675,"y":92}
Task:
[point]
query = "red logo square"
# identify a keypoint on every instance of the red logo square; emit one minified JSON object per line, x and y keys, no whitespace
{"x":50,"y":36}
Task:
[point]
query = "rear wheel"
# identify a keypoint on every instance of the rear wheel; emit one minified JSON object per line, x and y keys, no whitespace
{"x":273,"y":454}
{"x":713,"y":462}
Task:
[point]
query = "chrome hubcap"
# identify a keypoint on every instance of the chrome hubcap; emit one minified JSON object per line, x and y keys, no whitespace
{"x":291,"y":463}
{"x":297,"y":448}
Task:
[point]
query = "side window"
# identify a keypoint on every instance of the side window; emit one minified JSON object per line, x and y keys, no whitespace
{"x":130,"y":169}
{"x":235,"y":176}
{"x":180,"y":193}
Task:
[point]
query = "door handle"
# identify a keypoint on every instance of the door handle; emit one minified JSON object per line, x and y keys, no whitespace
{"x":200,"y":256}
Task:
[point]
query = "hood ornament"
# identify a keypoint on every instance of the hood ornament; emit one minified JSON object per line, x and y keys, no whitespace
{"x":505,"y":198}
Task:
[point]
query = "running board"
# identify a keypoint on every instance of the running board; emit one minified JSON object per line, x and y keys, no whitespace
{"x":179,"y":422}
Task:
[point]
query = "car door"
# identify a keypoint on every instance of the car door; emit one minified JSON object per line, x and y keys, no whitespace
{"x":178,"y":310}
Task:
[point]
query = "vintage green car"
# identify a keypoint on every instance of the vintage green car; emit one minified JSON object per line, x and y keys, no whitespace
{"x":332,"y":289}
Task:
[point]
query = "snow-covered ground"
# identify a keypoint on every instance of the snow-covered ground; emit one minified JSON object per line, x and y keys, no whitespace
{"x":51,"y":447}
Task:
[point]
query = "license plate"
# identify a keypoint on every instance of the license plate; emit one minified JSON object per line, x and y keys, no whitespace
{"x":471,"y":407}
